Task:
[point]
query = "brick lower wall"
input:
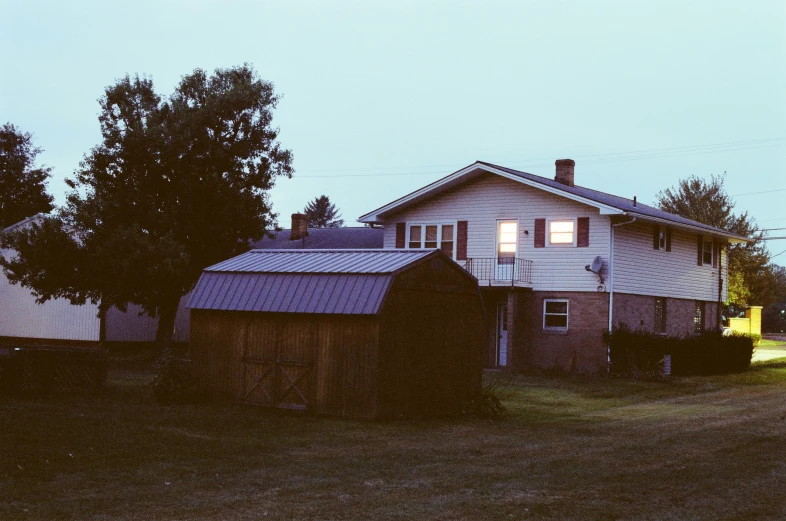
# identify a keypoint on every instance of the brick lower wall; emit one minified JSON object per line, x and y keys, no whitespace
{"x":581,"y":348}
{"x":637,"y":312}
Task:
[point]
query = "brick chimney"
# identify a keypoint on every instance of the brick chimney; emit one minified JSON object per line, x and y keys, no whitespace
{"x":564,"y":171}
{"x":299,"y":227}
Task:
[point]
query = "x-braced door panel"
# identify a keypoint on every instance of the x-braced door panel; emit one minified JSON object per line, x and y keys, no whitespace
{"x":278,"y":363}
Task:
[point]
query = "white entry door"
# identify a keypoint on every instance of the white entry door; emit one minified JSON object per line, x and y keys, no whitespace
{"x":507,"y":240}
{"x":502,"y":334}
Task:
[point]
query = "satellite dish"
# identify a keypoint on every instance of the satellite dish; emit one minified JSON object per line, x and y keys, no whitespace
{"x":597,"y":264}
{"x":595,"y":267}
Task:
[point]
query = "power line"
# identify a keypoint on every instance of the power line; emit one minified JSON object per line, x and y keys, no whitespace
{"x":757,"y":193}
{"x":771,"y":229}
{"x":677,"y":152}
{"x":764,"y":141}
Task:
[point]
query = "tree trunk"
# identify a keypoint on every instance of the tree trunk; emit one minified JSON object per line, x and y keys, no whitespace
{"x":166,"y":325}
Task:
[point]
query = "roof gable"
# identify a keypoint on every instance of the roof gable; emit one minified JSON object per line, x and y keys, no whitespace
{"x":606,"y":204}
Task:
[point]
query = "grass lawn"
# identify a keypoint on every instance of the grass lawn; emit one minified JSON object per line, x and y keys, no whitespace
{"x":570,"y":448}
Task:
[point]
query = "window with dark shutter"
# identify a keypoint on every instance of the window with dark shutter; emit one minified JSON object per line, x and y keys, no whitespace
{"x":540,"y":233}
{"x":656,"y":237}
{"x":401,"y":234}
{"x":668,"y":239}
{"x":700,"y":246}
{"x":461,"y":240}
{"x":582,"y":237}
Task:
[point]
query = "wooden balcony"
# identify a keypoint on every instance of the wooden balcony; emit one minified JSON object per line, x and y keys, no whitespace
{"x":500,"y":272}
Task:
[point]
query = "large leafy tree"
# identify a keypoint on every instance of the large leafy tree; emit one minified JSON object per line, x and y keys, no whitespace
{"x":22,"y":185}
{"x":176,"y":184}
{"x":706,"y":201}
{"x":322,"y":213}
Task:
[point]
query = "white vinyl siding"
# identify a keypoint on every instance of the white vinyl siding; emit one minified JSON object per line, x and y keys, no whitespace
{"x":488,"y":199}
{"x":133,"y":327}
{"x":641,"y":269}
{"x":57,"y":319}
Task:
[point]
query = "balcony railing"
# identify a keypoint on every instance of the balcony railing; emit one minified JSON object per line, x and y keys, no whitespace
{"x":500,"y":270}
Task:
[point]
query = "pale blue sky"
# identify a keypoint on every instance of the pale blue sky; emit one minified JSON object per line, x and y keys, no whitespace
{"x":424,"y":88}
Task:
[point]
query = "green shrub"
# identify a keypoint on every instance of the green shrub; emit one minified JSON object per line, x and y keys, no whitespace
{"x":487,"y":404}
{"x":635,"y":353}
{"x":755,"y":337}
{"x":711,"y":353}
{"x":173,"y":382}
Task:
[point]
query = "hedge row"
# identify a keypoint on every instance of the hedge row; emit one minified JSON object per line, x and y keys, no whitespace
{"x":633,"y":352}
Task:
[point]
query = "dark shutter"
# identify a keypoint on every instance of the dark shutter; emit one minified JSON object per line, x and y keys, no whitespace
{"x":540,"y":233}
{"x":715,"y":253}
{"x":656,"y":237}
{"x":668,"y":239}
{"x":700,"y":244}
{"x":582,"y":238}
{"x":461,"y":240}
{"x":401,"y":234}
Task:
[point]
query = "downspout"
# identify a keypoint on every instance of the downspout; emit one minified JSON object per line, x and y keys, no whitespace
{"x":719,"y":310}
{"x":611,"y":286}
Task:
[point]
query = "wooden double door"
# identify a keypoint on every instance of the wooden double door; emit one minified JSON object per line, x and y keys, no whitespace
{"x":278,"y":363}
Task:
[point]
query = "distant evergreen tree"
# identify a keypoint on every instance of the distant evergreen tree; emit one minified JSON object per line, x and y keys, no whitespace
{"x":322,"y":213}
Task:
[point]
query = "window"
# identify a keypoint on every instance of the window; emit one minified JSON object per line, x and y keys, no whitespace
{"x":555,"y":314}
{"x":706,"y":252}
{"x":660,"y":315}
{"x":662,"y":239}
{"x":562,"y":232}
{"x":698,"y":318}
{"x":507,"y":238}
{"x":432,"y":236}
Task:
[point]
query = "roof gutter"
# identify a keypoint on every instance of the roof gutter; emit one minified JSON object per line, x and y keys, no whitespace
{"x":713,"y":231}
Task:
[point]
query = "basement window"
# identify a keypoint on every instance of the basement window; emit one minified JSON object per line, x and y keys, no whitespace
{"x":555,"y":314}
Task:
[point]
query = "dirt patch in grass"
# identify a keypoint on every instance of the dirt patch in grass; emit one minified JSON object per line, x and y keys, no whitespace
{"x":570,"y":447}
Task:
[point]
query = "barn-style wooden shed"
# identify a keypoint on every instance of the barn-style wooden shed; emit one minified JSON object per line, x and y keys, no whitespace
{"x":353,"y":333}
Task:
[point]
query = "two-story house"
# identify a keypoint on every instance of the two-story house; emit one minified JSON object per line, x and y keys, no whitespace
{"x":560,"y":264}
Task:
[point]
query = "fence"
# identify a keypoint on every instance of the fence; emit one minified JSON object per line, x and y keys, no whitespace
{"x":51,"y":370}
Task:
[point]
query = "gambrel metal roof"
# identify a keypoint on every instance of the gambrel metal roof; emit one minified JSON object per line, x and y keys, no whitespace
{"x":321,"y":261}
{"x":347,"y":282}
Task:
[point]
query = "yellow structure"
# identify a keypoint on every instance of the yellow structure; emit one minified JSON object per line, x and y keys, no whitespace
{"x":751,"y":324}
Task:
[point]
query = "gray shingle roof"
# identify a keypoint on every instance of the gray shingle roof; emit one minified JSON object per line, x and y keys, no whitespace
{"x":607,"y":203}
{"x":621,"y":203}
{"x":325,"y":238}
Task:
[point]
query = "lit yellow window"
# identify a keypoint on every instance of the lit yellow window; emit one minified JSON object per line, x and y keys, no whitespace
{"x":561,"y":232}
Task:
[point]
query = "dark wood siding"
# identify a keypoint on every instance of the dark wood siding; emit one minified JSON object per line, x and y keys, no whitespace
{"x":420,"y":356}
{"x":432,"y":341}
{"x":322,"y":363}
